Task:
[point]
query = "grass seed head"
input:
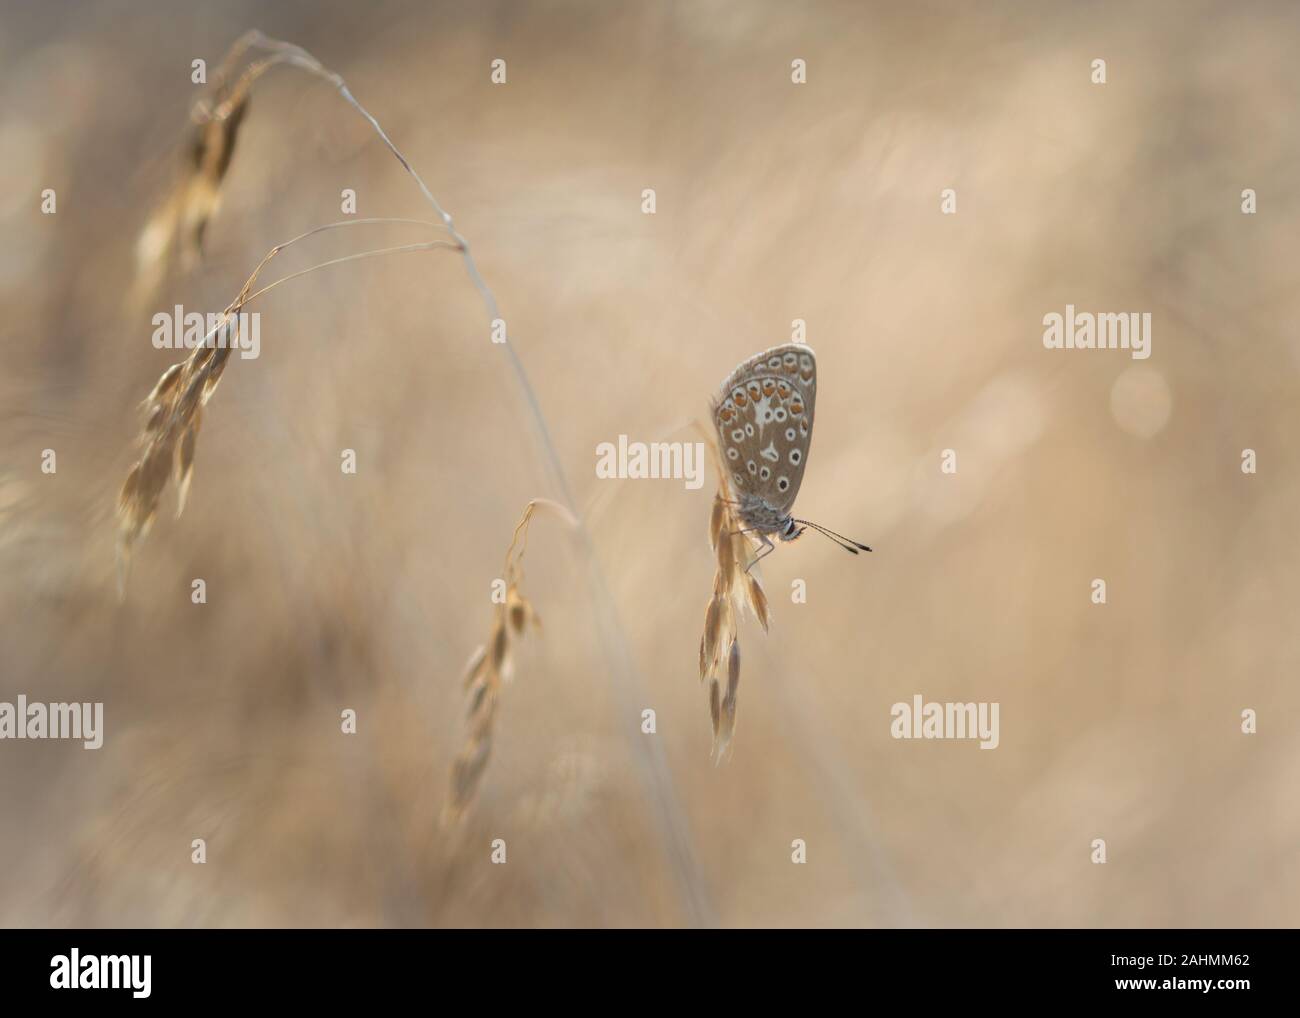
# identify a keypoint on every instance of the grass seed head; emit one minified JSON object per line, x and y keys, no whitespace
{"x":733,"y":589}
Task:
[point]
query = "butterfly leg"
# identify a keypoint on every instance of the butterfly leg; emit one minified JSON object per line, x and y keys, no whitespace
{"x":766,"y":549}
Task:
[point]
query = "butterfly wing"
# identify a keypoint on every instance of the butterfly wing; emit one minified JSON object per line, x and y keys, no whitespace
{"x":764,"y":417}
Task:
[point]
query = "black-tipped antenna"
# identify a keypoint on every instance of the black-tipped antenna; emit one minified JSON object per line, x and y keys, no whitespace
{"x":844,"y":542}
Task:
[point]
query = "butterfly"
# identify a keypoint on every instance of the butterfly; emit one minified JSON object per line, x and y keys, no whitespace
{"x":764,"y":417}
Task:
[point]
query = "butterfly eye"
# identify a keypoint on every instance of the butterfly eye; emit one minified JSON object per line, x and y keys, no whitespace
{"x":738,"y":435}
{"x":749,"y":429}
{"x":782,"y":483}
{"x":803,"y":427}
{"x":732,"y":454}
{"x":752,"y":467}
{"x":805,"y":362}
{"x":795,"y":456}
{"x":769,"y":387}
{"x":779,"y":414}
{"x":789,"y":434}
{"x":774,"y":362}
{"x":791,"y":359}
{"x":738,"y":479}
{"x":765,"y":473}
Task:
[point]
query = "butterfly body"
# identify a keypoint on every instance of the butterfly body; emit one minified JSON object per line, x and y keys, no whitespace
{"x":763,"y":414}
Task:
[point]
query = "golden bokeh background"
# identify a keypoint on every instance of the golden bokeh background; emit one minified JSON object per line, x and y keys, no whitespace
{"x":775,"y":202}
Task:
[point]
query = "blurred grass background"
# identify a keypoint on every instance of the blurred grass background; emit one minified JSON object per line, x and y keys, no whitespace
{"x":775,"y":202}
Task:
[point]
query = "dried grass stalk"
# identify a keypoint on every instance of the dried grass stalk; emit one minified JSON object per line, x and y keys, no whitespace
{"x":173,"y":413}
{"x":173,"y":409}
{"x":491,"y":666}
{"x":173,"y":235}
{"x":734,"y":590}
